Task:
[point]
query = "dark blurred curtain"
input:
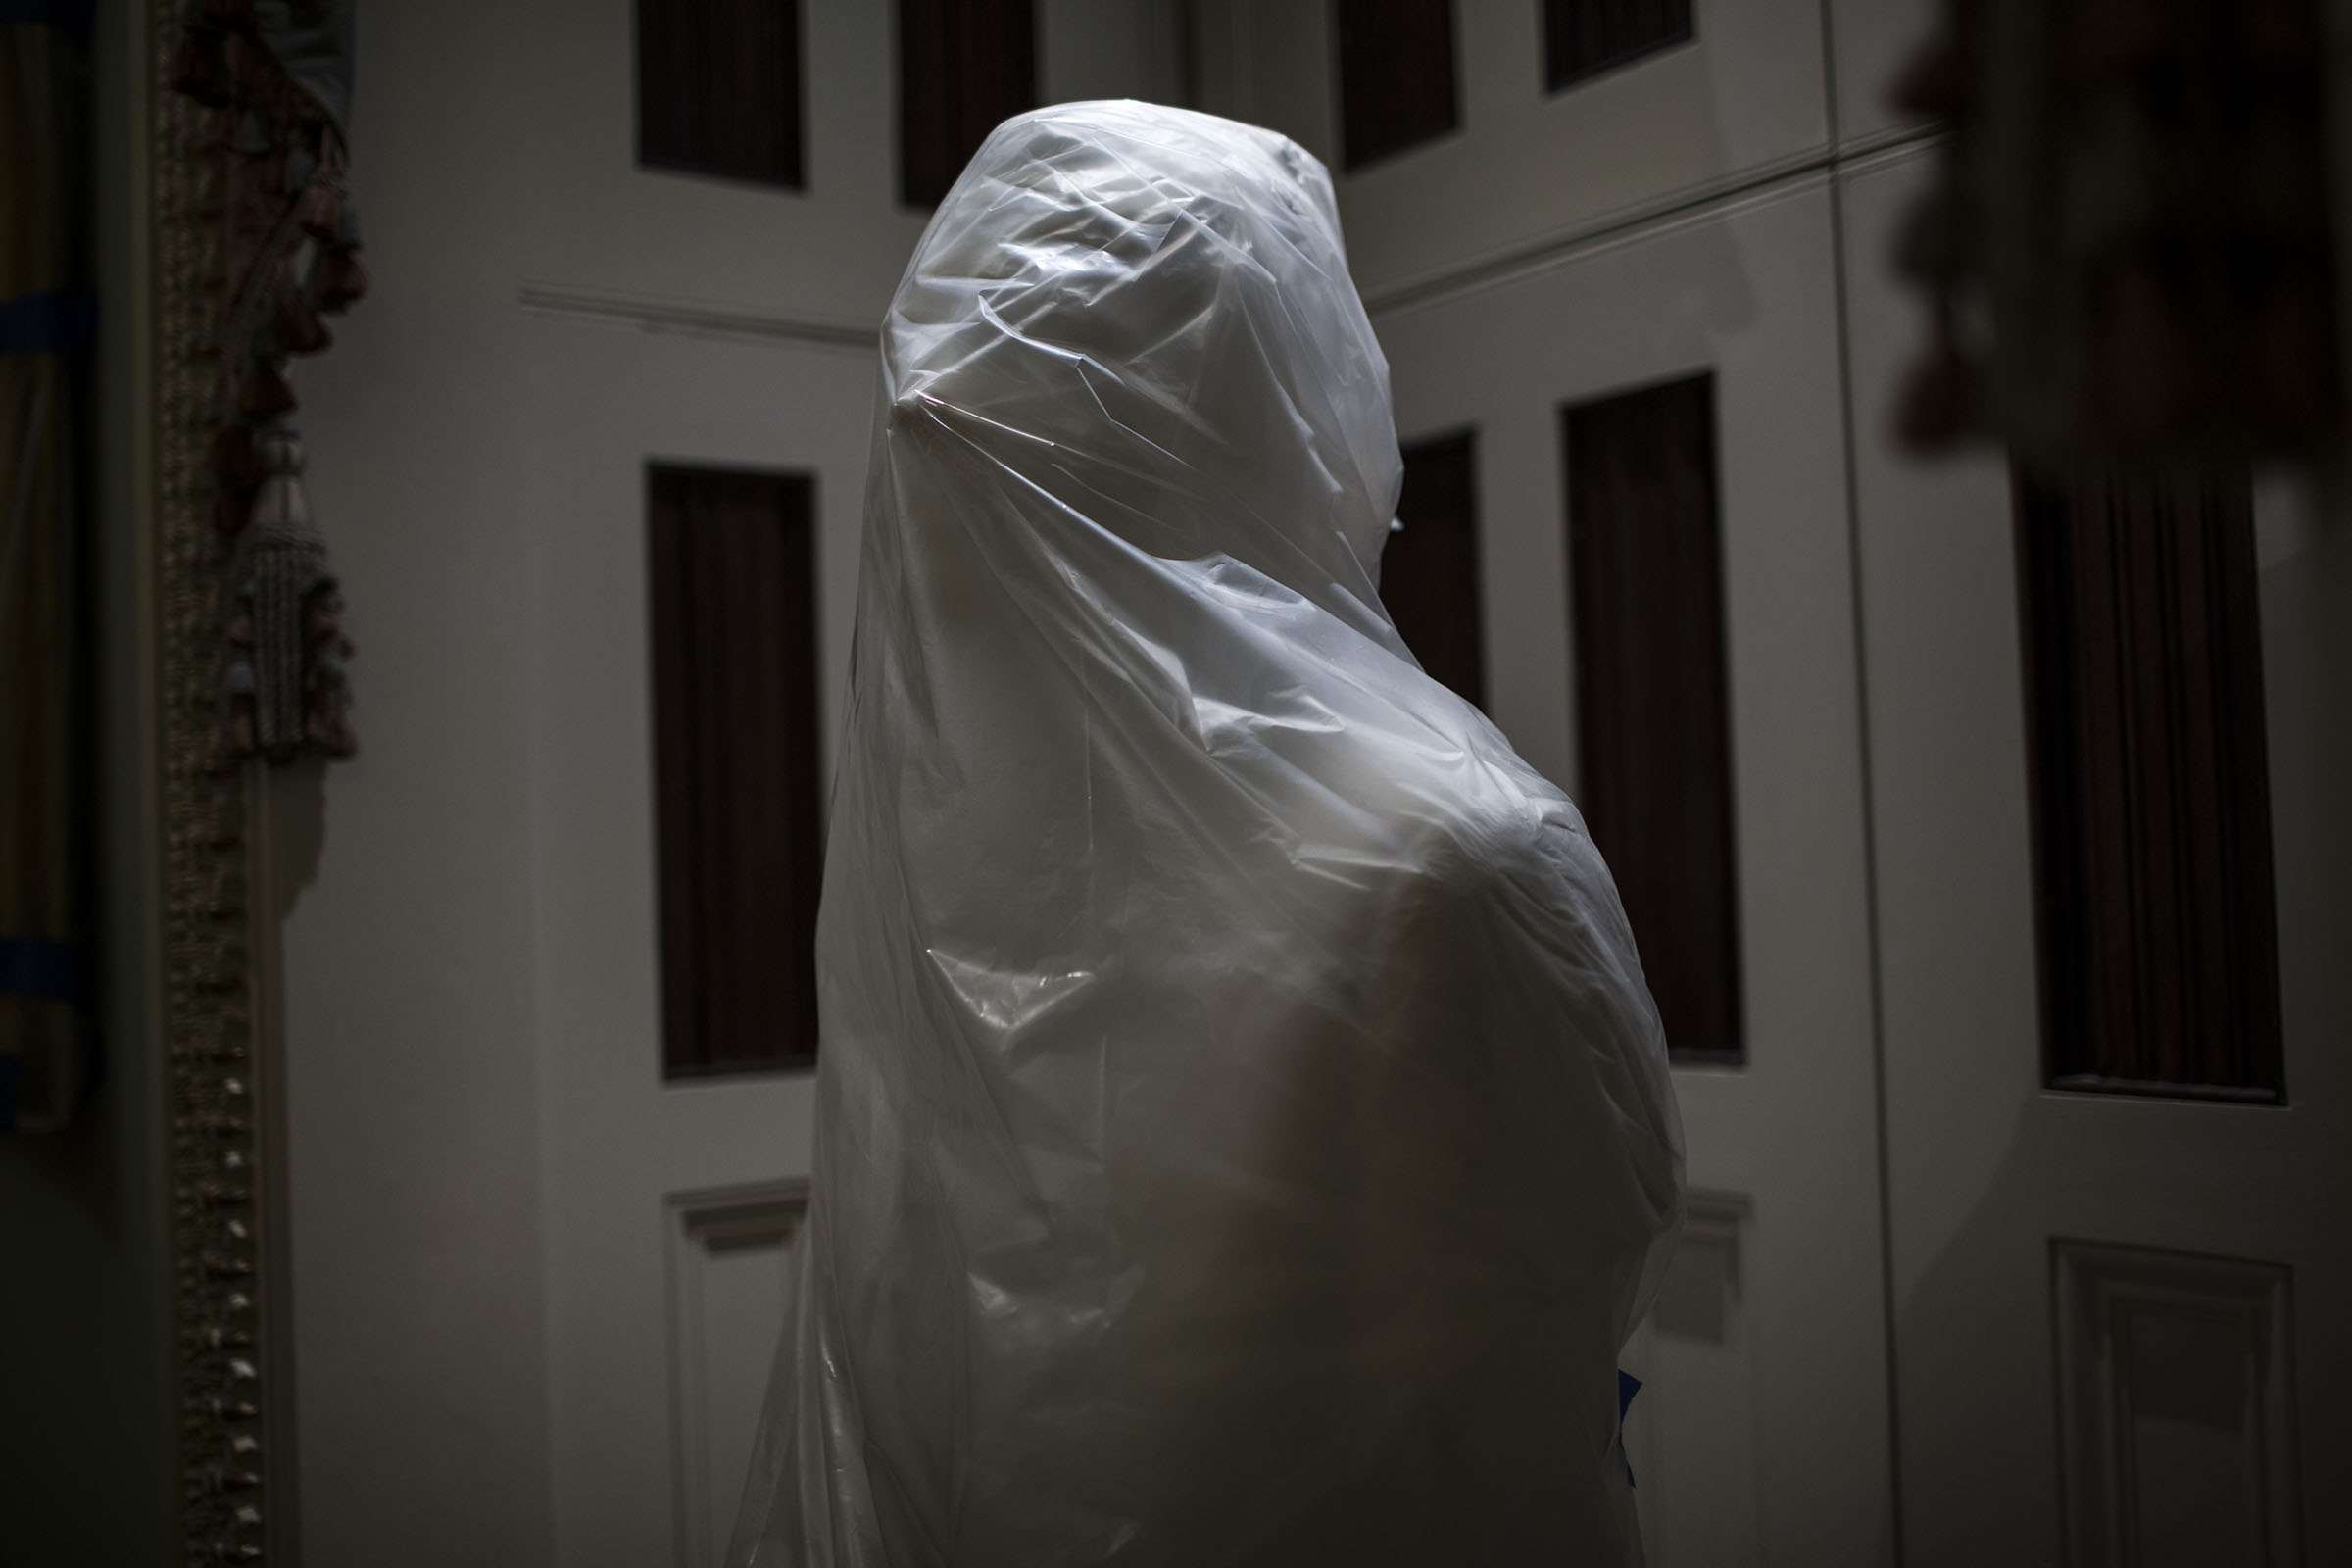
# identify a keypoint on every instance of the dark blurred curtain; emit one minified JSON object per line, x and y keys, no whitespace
{"x":2131,"y":247}
{"x":46,"y":316}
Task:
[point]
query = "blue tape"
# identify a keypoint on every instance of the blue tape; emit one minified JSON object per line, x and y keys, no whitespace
{"x":35,"y":967}
{"x":1628,"y":1386}
{"x":69,"y":15}
{"x":56,"y":322}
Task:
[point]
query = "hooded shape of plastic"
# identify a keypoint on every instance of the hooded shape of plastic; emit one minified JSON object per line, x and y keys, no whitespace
{"x":1243,"y":1134}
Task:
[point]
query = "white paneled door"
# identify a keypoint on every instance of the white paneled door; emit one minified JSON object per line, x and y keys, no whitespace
{"x":2104,"y":1304}
{"x":670,"y":1205}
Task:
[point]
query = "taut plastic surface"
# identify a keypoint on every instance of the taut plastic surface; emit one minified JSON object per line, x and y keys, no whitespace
{"x":1243,"y":1133}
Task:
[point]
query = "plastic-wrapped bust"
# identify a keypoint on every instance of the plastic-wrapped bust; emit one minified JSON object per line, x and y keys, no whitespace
{"x":1243,"y":1133}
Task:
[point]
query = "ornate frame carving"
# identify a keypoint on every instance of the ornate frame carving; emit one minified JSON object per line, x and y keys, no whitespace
{"x":231,"y":1433}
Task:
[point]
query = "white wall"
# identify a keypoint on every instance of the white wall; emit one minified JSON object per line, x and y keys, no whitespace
{"x":410,"y":1048}
{"x":624,"y":1151}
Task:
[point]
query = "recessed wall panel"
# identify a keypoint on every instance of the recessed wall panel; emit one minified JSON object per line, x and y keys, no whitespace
{"x":1690,"y":1434}
{"x":2176,"y":1432}
{"x":731,"y":1259}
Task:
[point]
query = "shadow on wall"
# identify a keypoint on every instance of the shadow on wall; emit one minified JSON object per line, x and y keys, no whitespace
{"x":295,"y":798}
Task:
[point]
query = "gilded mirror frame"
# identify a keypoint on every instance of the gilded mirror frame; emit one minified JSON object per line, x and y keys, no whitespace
{"x":219,"y":1111}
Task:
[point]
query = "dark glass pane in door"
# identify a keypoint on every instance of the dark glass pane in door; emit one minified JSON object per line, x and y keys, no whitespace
{"x":738,"y":813}
{"x":2151,"y":793}
{"x":1653,"y":712}
{"x":1396,"y":87}
{"x":719,"y":89}
{"x":965,"y":67}
{"x":1583,"y":38}
{"x":1429,"y":571}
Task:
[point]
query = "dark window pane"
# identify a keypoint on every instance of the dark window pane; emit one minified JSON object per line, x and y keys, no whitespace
{"x":1585,"y":37}
{"x":2152,"y":832}
{"x":1429,"y":571}
{"x":719,"y":89}
{"x":1395,"y":76}
{"x":1654,"y":720}
{"x":733,"y":613}
{"x":964,"y":67}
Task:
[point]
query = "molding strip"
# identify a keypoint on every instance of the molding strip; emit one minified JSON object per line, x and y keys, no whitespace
{"x":649,"y":314}
{"x":653,"y":313}
{"x":1563,"y":245}
{"x":226,"y":1374}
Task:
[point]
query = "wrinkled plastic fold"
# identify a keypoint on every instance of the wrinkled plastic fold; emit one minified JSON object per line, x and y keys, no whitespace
{"x":1243,"y":1134}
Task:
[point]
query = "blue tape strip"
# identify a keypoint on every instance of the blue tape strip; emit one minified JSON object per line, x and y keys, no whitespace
{"x":56,"y":322}
{"x":71,"y":16}
{"x":1628,"y":1386}
{"x":35,"y":967}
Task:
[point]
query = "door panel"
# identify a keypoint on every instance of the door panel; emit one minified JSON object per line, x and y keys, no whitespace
{"x":1694,"y":1445}
{"x":731,"y":1264}
{"x":1653,"y":732}
{"x":1762,"y":1434}
{"x":737,"y":791}
{"x":667,"y":1203}
{"x":1999,"y":1187}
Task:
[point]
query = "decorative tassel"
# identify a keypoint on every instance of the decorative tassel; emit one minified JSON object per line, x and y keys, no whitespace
{"x":252,"y":138}
{"x":231,"y":510}
{"x":284,"y":557}
{"x":284,"y":681}
{"x":237,"y":683}
{"x":320,"y":212}
{"x":326,"y":689}
{"x":1936,"y":83}
{"x":299,"y":330}
{"x":198,"y":72}
{"x":338,"y":280}
{"x":263,"y":393}
{"x":235,"y":461}
{"x":1940,"y":404}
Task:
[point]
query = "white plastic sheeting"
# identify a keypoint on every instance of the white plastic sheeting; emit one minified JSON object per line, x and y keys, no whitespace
{"x":1243,"y":1133}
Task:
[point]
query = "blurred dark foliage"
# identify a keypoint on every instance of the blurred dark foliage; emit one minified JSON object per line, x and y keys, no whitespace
{"x":2129,"y":244}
